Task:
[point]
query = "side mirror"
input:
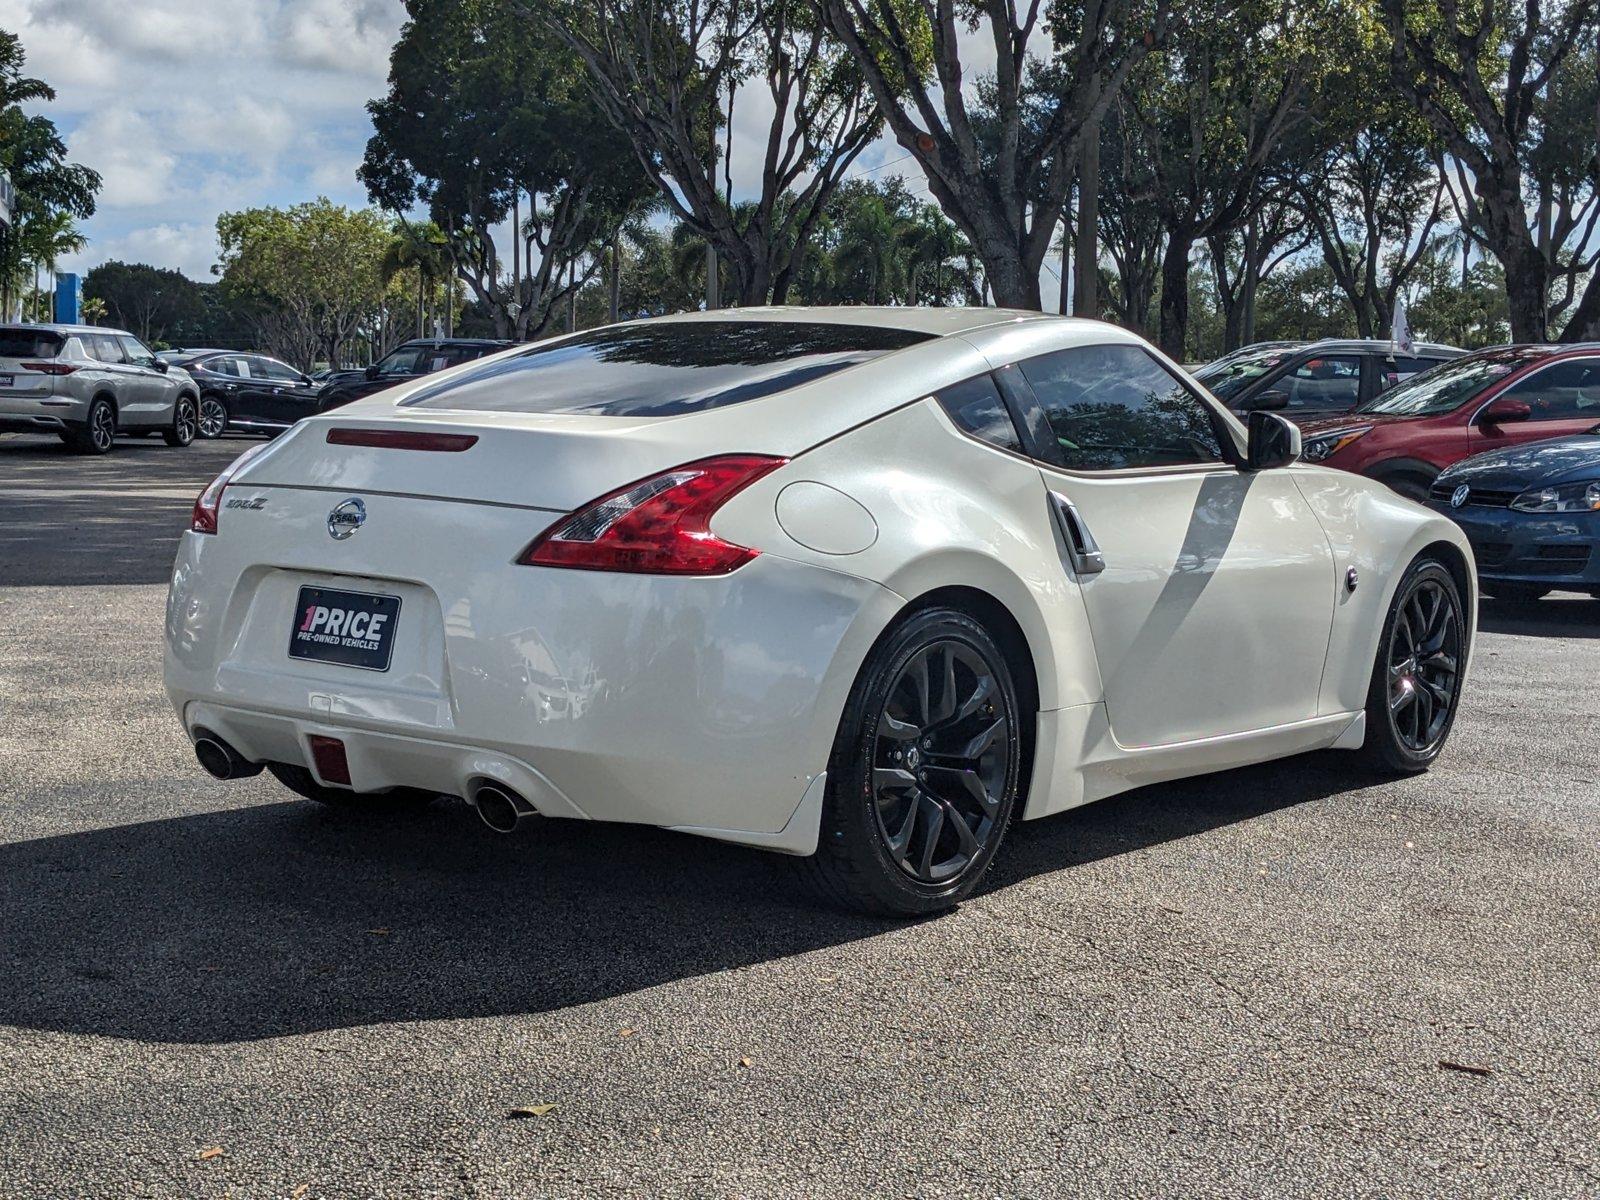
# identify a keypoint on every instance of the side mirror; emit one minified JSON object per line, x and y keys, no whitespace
{"x":1273,"y":401}
{"x":1274,"y":442}
{"x":160,"y":365}
{"x":1504,"y":411}
{"x":371,"y":372}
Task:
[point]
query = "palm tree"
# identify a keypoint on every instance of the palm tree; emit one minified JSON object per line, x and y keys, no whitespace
{"x":419,"y":248}
{"x":45,"y":239}
{"x":868,"y":259}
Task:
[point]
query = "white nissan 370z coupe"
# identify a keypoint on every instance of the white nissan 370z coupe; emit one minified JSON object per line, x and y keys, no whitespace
{"x":862,"y":586}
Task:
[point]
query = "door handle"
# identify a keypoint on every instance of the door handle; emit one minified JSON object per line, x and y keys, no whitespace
{"x":1082,"y":549}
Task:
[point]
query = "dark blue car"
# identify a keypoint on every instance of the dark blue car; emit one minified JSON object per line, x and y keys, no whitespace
{"x":1532,"y":514}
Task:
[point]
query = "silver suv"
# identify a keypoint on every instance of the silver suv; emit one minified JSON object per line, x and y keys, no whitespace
{"x":85,"y":384}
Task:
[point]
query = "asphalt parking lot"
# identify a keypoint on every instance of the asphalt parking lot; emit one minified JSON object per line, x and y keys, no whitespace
{"x":1284,"y":981}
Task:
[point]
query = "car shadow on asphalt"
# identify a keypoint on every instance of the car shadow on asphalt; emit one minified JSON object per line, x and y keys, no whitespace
{"x":1564,"y":615}
{"x":72,"y":520}
{"x":280,"y":919}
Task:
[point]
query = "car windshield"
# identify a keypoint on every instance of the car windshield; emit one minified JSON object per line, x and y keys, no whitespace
{"x":29,"y":343}
{"x":1443,"y":388}
{"x":1229,"y":376}
{"x":660,"y":369}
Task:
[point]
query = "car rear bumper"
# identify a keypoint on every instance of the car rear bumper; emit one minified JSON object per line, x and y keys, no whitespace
{"x":1541,"y":549}
{"x":706,"y":704}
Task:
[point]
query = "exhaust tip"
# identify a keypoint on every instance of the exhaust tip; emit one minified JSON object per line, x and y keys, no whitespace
{"x":501,"y":809}
{"x":220,"y":760}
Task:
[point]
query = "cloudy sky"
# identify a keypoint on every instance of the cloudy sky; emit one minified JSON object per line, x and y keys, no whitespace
{"x":190,"y":108}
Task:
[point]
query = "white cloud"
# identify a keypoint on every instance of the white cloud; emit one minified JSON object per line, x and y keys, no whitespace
{"x":189,"y":108}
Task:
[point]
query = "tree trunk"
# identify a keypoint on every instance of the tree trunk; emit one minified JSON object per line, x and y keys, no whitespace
{"x":1525,"y":292}
{"x":1066,"y":266}
{"x":1086,"y":300}
{"x":614,"y":307}
{"x":1175,"y":294}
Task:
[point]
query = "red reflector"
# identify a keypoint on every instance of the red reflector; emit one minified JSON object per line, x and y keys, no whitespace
{"x":402,"y":439}
{"x":49,"y":368}
{"x":328,"y":754}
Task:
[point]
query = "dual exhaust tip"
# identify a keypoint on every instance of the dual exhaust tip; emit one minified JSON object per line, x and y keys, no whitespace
{"x":500,"y":808}
{"x":220,"y":760}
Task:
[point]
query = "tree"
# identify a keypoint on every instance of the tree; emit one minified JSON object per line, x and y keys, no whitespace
{"x":663,"y":69}
{"x":147,"y":301}
{"x":488,"y":120}
{"x":311,"y":274}
{"x":1005,"y":190}
{"x":1511,"y":90}
{"x":51,"y":192}
{"x":419,"y":251}
{"x":1214,"y":115}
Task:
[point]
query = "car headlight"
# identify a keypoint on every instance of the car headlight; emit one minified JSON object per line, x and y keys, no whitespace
{"x":1326,"y":445}
{"x":1570,"y":497}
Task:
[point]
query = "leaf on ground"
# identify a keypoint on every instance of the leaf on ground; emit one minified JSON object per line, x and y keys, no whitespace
{"x":529,"y":1110}
{"x":210,"y":1152}
{"x":381,"y":931}
{"x":747,"y":1062}
{"x":626,"y":1032}
{"x":1465,"y":1068}
{"x":299,"y":1191}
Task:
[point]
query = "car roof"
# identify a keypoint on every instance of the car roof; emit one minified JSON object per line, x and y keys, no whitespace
{"x":46,"y":327}
{"x":455,"y":341}
{"x":1381,"y":344}
{"x":936,"y":322}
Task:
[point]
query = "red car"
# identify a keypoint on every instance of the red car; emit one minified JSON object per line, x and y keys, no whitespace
{"x":1484,"y":401}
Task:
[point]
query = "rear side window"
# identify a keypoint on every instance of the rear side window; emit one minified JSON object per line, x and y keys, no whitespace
{"x":1561,"y":391}
{"x":976,"y":408}
{"x":30,"y":343}
{"x":1113,"y":408}
{"x":106,"y":348}
{"x":663,"y":369}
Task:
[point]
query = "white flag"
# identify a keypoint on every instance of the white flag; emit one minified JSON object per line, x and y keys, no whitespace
{"x":1400,"y":332}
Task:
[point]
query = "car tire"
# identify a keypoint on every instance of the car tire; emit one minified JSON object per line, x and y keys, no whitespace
{"x":99,"y":429}
{"x":1411,"y":485}
{"x":1417,"y":674}
{"x":1515,"y":593}
{"x":303,"y":783}
{"x":925,"y":773}
{"x":213,"y":417}
{"x":185,"y":423}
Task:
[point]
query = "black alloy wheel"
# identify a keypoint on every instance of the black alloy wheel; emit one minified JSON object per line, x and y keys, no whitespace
{"x":941,"y":762}
{"x":213,"y":417}
{"x":1417,"y":679}
{"x":185,"y":423}
{"x":926,"y":770}
{"x":98,"y":430}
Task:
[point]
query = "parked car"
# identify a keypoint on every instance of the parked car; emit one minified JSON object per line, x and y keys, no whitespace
{"x":85,"y":384}
{"x":852,"y":584}
{"x":1532,"y":514}
{"x":248,"y":393}
{"x":406,"y":362}
{"x":1485,"y":401}
{"x":1313,"y":379}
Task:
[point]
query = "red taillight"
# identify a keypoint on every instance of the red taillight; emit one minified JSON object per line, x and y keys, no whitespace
{"x":658,"y":526}
{"x":402,"y":439}
{"x":49,"y":368}
{"x":206,"y":505}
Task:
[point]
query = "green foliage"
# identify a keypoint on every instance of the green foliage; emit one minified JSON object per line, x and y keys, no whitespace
{"x":51,"y":192}
{"x":151,"y":302}
{"x":313,"y":273}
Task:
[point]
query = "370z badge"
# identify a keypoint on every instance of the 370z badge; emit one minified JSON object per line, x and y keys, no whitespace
{"x":352,"y":629}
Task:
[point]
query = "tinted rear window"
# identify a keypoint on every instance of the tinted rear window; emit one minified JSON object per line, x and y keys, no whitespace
{"x":662,"y":370}
{"x":29,"y":343}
